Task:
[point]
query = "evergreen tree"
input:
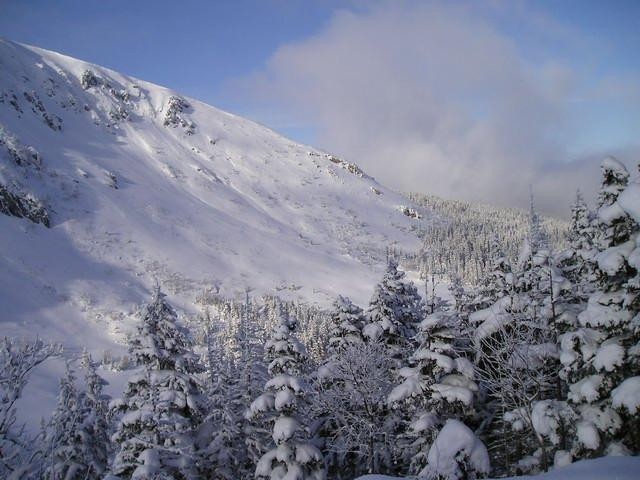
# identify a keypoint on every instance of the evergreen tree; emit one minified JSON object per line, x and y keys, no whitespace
{"x":582,"y":239}
{"x":601,"y":356}
{"x":497,"y":283}
{"x":577,"y":265}
{"x":292,"y":456}
{"x":162,"y":403}
{"x":221,"y":454}
{"x":345,"y":331}
{"x":347,"y":320}
{"x":251,"y":373}
{"x":65,"y":442}
{"x":394,"y":312}
{"x":94,"y":420}
{"x":440,"y":385}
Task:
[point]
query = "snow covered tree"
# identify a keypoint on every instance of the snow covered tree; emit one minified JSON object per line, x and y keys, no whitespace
{"x":347,"y":320}
{"x":360,"y":439}
{"x":251,"y":374}
{"x":17,"y":362}
{"x":438,"y":386}
{"x":577,"y":265}
{"x":65,"y":442}
{"x":345,"y":331}
{"x":580,"y":265}
{"x":162,"y":402}
{"x":94,"y":425}
{"x":394,"y":312}
{"x":293,"y":456}
{"x":512,"y":365}
{"x":221,"y":452}
{"x":601,"y":357}
{"x":615,"y":178}
{"x":497,"y":283}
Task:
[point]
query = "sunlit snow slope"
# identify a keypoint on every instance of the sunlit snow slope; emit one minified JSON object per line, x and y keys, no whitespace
{"x":140,"y":184}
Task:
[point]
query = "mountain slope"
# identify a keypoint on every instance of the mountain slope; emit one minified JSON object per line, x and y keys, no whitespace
{"x":139,"y":184}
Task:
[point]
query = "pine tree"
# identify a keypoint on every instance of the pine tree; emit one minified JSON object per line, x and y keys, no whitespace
{"x":64,"y":441}
{"x":345,"y":331}
{"x":440,"y":385}
{"x":251,"y":373}
{"x":394,"y":312}
{"x":497,"y":283}
{"x":162,"y":403}
{"x":220,"y":451}
{"x":577,"y":265}
{"x":292,"y":456}
{"x":601,"y":356}
{"x":582,"y":238}
{"x":94,"y":420}
{"x":347,"y":320}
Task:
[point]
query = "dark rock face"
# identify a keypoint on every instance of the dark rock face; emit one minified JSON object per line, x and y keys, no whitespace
{"x":89,"y":80}
{"x":172,"y":118}
{"x":23,"y":206}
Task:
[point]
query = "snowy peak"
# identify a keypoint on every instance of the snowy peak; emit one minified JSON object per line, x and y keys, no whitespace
{"x":139,"y":183}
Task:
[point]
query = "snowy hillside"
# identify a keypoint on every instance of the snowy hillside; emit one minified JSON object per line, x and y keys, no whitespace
{"x":121,"y":183}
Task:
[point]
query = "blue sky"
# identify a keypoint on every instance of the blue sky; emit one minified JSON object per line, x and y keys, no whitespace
{"x":424,"y":94}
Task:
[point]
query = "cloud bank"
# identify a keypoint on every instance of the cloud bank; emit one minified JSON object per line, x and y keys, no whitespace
{"x":440,"y":99}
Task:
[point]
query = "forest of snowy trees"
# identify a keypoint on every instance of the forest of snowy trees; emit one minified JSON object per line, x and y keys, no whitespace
{"x":535,"y":366}
{"x":460,"y":238}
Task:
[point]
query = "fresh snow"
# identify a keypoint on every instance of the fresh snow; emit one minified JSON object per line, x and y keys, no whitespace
{"x":629,"y":200}
{"x":456,"y":442}
{"x":627,"y":395}
{"x":606,"y":468}
{"x":284,"y":428}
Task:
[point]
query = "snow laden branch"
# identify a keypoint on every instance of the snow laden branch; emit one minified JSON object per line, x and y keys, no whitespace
{"x":17,"y":362}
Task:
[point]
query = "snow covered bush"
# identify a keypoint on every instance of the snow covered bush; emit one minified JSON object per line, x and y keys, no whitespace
{"x":456,"y":454}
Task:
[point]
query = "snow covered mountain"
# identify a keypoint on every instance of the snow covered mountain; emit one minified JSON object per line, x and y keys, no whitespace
{"x":109,"y":184}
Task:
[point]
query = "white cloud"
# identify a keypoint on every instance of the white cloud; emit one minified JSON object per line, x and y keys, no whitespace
{"x":435,"y":98}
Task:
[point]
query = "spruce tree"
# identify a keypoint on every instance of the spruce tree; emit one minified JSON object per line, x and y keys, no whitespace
{"x":291,"y":455}
{"x":345,"y":332}
{"x":162,"y":402}
{"x":347,"y":320}
{"x":438,"y":386}
{"x":394,"y":313}
{"x":64,"y":457}
{"x":94,"y":420}
{"x":497,"y":283}
{"x":601,"y":356}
